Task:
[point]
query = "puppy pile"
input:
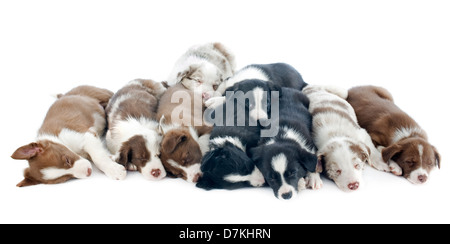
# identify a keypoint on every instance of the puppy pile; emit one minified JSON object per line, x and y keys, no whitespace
{"x":226,"y":129}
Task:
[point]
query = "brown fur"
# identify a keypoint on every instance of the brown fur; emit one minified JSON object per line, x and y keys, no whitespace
{"x":378,"y":114}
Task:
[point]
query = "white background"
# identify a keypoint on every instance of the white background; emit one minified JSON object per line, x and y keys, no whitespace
{"x":49,"y":47}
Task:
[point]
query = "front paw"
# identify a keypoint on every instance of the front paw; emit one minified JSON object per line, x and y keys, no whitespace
{"x":313,"y":181}
{"x":395,"y":168}
{"x":115,"y":171}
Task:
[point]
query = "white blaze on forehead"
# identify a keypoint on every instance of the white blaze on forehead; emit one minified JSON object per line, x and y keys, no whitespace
{"x":420,"y":149}
{"x":279,"y":164}
{"x":78,"y":170}
{"x":191,"y":171}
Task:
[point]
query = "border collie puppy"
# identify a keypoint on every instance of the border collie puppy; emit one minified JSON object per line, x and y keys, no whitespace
{"x":133,"y":135}
{"x":282,"y":74}
{"x":343,"y":146}
{"x":203,"y":68}
{"x":404,"y":144}
{"x":288,"y":158}
{"x":185,"y":134}
{"x":69,"y":136}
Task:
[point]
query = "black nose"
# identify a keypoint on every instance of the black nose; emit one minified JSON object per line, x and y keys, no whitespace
{"x":287,"y":195}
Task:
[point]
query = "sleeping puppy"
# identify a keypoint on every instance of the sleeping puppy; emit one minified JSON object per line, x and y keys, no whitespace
{"x":203,"y":68}
{"x":403,"y":143}
{"x":227,"y":165}
{"x":343,"y":146}
{"x":133,"y":135}
{"x":185,"y":135}
{"x":286,"y":159}
{"x":282,"y":74}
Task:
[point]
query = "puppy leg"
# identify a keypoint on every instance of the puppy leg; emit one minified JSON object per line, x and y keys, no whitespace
{"x":102,"y":159}
{"x":313,"y":181}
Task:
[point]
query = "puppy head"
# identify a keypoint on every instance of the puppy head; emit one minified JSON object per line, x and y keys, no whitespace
{"x":415,"y":156}
{"x":142,"y":154}
{"x":282,"y":168}
{"x":181,"y":155}
{"x":51,"y":163}
{"x":343,"y":162}
{"x":202,"y":78}
{"x":228,"y":167}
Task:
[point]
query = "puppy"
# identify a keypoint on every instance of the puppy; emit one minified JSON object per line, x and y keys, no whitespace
{"x":133,"y":135}
{"x":286,"y":159}
{"x":343,"y":146}
{"x":227,"y":165}
{"x":404,"y":144}
{"x":70,"y":134}
{"x":281,"y":74}
{"x":203,"y":68}
{"x":185,"y":134}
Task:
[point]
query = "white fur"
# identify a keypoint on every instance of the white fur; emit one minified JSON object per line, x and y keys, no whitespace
{"x":258,"y":112}
{"x":123,"y":130}
{"x":414,"y":176}
{"x":220,"y":141}
{"x":79,"y":169}
{"x":191,"y":171}
{"x":403,"y":133}
{"x":255,"y":179}
{"x":297,"y":137}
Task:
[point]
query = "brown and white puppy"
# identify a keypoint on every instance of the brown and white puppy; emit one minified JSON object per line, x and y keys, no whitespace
{"x":203,"y":68}
{"x":70,"y":134}
{"x":343,"y":146}
{"x":133,"y":135}
{"x":186,"y":135}
{"x":403,"y":143}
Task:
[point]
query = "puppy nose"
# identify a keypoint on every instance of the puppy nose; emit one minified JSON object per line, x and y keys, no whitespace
{"x":155,"y":173}
{"x":89,"y":172}
{"x":287,"y":195}
{"x":206,"y":96}
{"x":422,"y":178}
{"x":353,"y":186}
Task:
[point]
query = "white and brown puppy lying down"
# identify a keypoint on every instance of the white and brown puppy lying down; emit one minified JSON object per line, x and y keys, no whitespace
{"x":203,"y":68}
{"x":343,"y":146}
{"x":69,"y":136}
{"x":133,"y":135}
{"x":185,"y":135}
{"x":403,"y":143}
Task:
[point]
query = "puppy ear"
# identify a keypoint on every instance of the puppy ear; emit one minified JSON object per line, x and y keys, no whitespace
{"x":170,"y":142}
{"x":438,"y":157}
{"x":124,"y":155}
{"x":188,"y":72}
{"x":255,"y":154}
{"x":27,"y":152}
{"x":390,"y":152}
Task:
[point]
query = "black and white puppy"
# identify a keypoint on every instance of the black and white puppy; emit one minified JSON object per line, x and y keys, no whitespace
{"x":288,"y":158}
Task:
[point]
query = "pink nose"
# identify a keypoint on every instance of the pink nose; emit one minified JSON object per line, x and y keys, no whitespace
{"x":206,"y":96}
{"x":353,"y":186}
{"x":156,"y":173}
{"x":422,"y":178}
{"x":89,"y":172}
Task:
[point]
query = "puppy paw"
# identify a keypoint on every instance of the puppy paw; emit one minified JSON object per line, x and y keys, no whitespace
{"x":395,"y":168}
{"x":115,"y":171}
{"x":313,"y":181}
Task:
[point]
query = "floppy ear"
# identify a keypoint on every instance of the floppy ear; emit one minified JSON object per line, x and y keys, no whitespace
{"x":188,"y":72}
{"x":320,"y":163}
{"x":255,"y":154}
{"x":171,"y":142}
{"x":27,"y":152}
{"x":124,"y":155}
{"x":438,"y":157}
{"x":390,"y":152}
